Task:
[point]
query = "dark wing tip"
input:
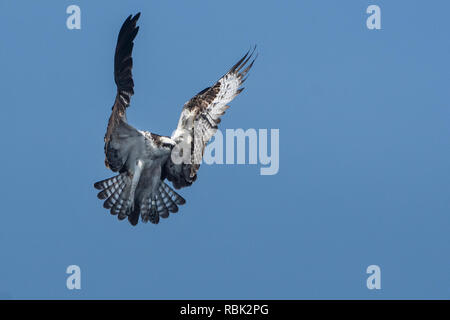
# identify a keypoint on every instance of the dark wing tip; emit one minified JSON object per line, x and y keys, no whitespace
{"x":136,"y":17}
{"x":250,"y":56}
{"x":233,"y":68}
{"x":244,"y":61}
{"x":123,"y":61}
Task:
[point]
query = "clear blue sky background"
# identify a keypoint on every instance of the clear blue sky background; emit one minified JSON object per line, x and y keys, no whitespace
{"x":364,"y":174}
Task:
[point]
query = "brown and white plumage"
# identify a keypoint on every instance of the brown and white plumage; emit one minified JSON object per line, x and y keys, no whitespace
{"x":200,"y":118}
{"x":143,"y":159}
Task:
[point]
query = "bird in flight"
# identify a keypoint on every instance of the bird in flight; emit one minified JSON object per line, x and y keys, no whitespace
{"x":144,"y":160}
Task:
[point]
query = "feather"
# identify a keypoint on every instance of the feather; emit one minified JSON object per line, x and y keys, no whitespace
{"x":200,"y":118}
{"x":133,"y":153}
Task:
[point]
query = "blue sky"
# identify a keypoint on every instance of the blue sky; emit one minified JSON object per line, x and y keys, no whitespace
{"x":364,"y":151}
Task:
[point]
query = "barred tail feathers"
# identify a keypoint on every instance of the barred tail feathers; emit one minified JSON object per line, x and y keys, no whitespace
{"x":160,"y":204}
{"x":116,"y":191}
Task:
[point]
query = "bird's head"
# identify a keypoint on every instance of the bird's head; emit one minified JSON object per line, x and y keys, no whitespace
{"x":167,"y":142}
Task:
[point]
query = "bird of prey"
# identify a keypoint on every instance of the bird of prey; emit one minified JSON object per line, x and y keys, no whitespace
{"x":144,"y":160}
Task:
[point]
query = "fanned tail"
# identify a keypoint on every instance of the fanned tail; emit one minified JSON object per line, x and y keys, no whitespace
{"x":116,"y":192}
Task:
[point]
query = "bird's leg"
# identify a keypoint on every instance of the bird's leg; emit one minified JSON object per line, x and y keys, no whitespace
{"x":134,"y":182}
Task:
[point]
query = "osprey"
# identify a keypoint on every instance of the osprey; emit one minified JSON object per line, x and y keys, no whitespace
{"x":144,"y":160}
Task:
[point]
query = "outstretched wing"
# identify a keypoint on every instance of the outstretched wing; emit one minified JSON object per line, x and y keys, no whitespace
{"x":198,"y":123}
{"x":119,"y":132}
